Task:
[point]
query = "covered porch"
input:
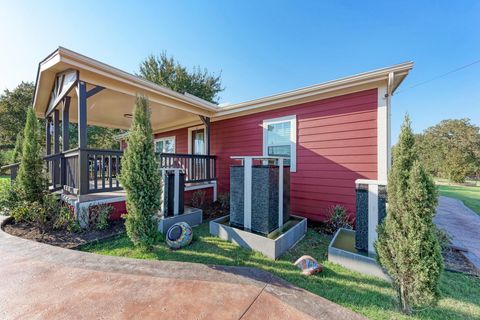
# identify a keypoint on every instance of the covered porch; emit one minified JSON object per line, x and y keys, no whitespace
{"x":72,"y":88}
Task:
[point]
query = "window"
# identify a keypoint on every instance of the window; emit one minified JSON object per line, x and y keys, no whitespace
{"x":197,"y":143}
{"x":165,"y":145}
{"x":280,"y":139}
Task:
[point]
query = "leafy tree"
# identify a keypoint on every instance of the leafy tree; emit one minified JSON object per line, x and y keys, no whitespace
{"x":141,"y":178}
{"x":103,"y":138}
{"x":31,"y":179}
{"x":407,"y":245}
{"x":169,"y":73}
{"x":13,"y":111}
{"x":451,"y":149}
{"x":98,"y":137}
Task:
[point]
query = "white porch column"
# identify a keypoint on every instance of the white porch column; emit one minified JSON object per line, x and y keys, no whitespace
{"x":383,"y":133}
{"x":280,"y":192}
{"x":176,"y":192}
{"x":247,"y":193}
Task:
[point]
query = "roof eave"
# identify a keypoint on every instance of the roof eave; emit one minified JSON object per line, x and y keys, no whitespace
{"x":66,"y":55}
{"x":351,"y":81}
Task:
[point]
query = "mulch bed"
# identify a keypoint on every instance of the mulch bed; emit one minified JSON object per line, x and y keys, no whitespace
{"x":63,"y":238}
{"x":321,"y":227}
{"x":214,"y":211}
{"x":455,"y":261}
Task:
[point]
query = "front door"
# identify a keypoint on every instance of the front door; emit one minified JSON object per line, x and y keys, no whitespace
{"x":198,"y":166}
{"x":198,"y":141}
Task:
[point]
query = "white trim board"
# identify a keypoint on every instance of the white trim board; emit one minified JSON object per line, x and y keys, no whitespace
{"x":383,"y":133}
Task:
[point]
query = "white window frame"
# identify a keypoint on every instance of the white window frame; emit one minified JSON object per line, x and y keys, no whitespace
{"x":164,"y":139}
{"x":190,"y":130}
{"x":293,"y":138}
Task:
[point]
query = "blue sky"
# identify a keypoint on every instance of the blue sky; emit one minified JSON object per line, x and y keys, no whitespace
{"x":265,"y":47}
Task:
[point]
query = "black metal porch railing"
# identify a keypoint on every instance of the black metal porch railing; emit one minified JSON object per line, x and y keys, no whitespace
{"x":54,"y":175}
{"x":198,"y":168}
{"x":12,"y":169}
{"x":102,"y":168}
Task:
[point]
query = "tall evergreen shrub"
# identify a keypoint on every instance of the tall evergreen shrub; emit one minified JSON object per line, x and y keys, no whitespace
{"x":17,"y":152}
{"x":31,"y":180}
{"x":407,"y":245}
{"x":141,"y":178}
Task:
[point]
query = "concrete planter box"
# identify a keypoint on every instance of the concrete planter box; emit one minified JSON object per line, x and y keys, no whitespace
{"x":343,"y":252}
{"x":192,"y":216}
{"x":265,"y":186}
{"x":271,"y":247}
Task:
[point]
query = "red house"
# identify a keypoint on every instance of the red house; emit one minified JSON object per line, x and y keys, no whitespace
{"x":333,"y":133}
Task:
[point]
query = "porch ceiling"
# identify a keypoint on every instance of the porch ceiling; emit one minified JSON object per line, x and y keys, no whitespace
{"x":109,"y":107}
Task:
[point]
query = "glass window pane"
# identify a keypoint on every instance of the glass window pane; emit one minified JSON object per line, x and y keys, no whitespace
{"x":199,"y":142}
{"x":280,"y":151}
{"x":279,"y":140}
{"x":159,"y":146}
{"x":169,"y":146}
{"x":278,"y":133}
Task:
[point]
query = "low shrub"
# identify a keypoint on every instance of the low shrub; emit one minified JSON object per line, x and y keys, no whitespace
{"x":224,"y":200}
{"x":9,"y":198}
{"x":198,"y":199}
{"x":338,"y":217}
{"x":443,"y":239}
{"x":22,"y":212}
{"x":34,"y":213}
{"x":48,"y":214}
{"x":98,"y":216}
{"x":66,"y":221}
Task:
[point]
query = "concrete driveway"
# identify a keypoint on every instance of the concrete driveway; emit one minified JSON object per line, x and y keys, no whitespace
{"x":39,"y":281}
{"x":462,"y":225}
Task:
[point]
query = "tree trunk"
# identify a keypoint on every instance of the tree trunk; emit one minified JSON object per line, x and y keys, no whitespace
{"x":406,"y":308}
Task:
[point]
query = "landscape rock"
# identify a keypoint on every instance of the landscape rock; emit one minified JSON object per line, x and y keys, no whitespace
{"x":308,"y":265}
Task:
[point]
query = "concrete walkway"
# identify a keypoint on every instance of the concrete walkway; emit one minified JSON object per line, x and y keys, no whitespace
{"x":463,"y":226}
{"x":39,"y":281}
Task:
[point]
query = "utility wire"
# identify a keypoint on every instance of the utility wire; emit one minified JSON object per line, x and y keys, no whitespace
{"x":440,"y":76}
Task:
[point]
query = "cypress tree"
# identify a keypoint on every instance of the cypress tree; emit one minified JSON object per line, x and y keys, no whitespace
{"x":141,"y":178}
{"x":31,"y":179}
{"x":17,"y":152}
{"x":407,"y":245}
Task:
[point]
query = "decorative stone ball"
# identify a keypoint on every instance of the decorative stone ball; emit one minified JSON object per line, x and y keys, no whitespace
{"x":308,"y":265}
{"x":179,"y":235}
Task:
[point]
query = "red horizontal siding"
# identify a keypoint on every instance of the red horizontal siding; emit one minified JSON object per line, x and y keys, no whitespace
{"x":336,"y":144}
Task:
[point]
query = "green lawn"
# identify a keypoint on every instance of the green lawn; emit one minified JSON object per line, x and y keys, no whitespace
{"x":369,"y":296}
{"x":469,"y":195}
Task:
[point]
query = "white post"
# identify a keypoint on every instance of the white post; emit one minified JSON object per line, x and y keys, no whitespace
{"x":162,"y":194}
{"x":247,"y":193}
{"x":214,"y":191}
{"x":176,"y":192}
{"x":280,"y":193}
{"x":372,"y":215}
{"x":383,"y":133}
